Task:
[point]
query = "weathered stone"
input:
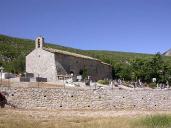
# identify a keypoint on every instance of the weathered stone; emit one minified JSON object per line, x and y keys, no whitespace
{"x":48,"y":63}
{"x":46,"y":98}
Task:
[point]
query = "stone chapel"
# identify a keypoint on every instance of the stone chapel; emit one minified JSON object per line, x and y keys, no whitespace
{"x":50,"y":63}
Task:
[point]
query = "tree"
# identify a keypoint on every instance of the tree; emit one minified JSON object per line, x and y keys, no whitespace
{"x":122,"y":70}
{"x":137,"y":68}
{"x":157,"y":68}
{"x":144,"y":69}
{"x":84,"y":73}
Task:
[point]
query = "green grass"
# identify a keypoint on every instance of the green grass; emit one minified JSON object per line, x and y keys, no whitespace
{"x":104,"y":82}
{"x":156,"y":121}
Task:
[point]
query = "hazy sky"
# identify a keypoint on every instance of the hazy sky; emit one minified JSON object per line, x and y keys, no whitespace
{"x":119,"y":25}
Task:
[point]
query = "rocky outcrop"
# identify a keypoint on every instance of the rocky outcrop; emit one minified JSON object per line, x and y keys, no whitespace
{"x":167,"y":53}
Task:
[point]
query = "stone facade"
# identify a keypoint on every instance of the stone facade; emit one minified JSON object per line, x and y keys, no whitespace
{"x":48,"y":63}
{"x":75,"y":65}
{"x":41,"y":63}
{"x":79,"y":99}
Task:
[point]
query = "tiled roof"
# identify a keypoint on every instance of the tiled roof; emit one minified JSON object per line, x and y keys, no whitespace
{"x":72,"y":54}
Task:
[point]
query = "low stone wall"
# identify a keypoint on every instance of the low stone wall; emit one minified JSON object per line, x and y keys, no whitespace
{"x":45,"y":98}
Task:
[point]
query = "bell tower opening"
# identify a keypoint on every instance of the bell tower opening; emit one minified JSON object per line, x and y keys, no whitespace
{"x":39,"y":42}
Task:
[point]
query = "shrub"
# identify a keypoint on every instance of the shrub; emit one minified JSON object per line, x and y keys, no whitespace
{"x":104,"y":82}
{"x":152,"y":85}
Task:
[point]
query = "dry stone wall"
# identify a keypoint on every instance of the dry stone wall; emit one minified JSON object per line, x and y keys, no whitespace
{"x":78,"y":99}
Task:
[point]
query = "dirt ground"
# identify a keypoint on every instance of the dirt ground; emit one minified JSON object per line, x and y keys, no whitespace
{"x":57,"y":114}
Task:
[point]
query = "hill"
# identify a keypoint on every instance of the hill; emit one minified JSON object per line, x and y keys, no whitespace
{"x":13,"y":51}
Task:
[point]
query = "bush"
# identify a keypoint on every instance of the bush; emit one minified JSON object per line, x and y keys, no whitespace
{"x":104,"y":82}
{"x":152,"y":85}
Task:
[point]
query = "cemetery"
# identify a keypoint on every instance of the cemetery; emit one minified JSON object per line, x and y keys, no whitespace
{"x":56,"y":79}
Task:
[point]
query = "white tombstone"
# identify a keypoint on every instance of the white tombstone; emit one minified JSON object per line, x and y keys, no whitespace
{"x":6,"y":75}
{"x":79,"y":78}
{"x":154,"y":80}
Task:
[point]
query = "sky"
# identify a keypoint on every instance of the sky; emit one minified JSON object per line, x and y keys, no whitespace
{"x":142,"y":26}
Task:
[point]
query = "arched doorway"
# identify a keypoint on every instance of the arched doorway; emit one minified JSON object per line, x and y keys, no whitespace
{"x":71,"y":73}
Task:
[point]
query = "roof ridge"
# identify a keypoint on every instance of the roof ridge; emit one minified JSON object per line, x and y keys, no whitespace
{"x":53,"y":50}
{"x":67,"y":52}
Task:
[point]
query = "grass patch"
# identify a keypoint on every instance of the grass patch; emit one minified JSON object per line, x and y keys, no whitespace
{"x":14,"y":120}
{"x":104,"y":82}
{"x":155,"y":121}
{"x":23,"y":123}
